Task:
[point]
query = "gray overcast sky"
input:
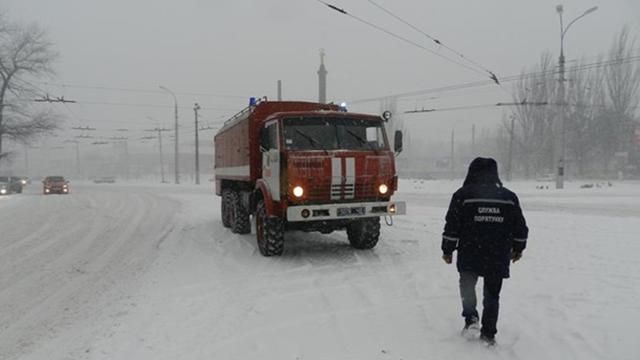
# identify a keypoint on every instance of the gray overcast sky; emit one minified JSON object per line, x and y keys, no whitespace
{"x":241,"y":48}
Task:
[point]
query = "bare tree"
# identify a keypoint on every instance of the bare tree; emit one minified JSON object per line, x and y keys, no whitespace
{"x":600,"y":109}
{"x":622,"y":80}
{"x":586,"y":101}
{"x":25,"y":54}
{"x":533,"y":137}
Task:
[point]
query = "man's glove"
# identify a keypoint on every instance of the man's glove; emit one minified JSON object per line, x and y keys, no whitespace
{"x":515,"y":256}
{"x":447,"y":258}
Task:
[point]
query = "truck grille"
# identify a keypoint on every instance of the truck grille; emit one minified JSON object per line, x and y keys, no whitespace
{"x":325,"y":191}
{"x":339,"y":191}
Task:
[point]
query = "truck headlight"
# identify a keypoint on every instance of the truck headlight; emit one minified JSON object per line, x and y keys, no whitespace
{"x":383,"y":189}
{"x":298,"y":191}
{"x":3,"y":191}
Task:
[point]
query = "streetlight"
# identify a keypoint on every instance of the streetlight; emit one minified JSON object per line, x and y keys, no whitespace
{"x":175,"y":105}
{"x":560,"y":159}
{"x":196,"y":107}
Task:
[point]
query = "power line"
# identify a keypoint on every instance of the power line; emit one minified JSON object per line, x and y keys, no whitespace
{"x":388,"y":32}
{"x":134,"y":90}
{"x":144,"y":105}
{"x":510,"y":78}
{"x":58,"y":99}
{"x":435,"y":40}
{"x":505,"y":104}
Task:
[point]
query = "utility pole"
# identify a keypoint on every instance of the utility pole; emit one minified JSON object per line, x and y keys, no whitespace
{"x":473,"y":140}
{"x":509,"y":161}
{"x":176,"y":153}
{"x":160,"y":130}
{"x":196,"y":107}
{"x":26,"y":160}
{"x":453,"y":131}
{"x":559,"y":143}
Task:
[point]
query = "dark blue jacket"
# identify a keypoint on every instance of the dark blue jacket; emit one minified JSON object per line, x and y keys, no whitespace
{"x":485,"y":224}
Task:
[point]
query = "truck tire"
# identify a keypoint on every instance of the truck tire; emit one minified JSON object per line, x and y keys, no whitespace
{"x":269,"y":232}
{"x":364,"y":233}
{"x":225,"y":208}
{"x":239,"y":215}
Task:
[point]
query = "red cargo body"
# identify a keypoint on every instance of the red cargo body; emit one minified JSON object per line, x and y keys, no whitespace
{"x":258,"y":168}
{"x":240,"y":134}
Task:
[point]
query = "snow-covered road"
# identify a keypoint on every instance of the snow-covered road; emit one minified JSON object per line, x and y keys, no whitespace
{"x":63,"y":257}
{"x":148,"y":272}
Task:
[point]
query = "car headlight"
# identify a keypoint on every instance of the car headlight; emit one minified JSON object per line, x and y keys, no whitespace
{"x":298,"y":191}
{"x":3,"y":191}
{"x":383,"y":189}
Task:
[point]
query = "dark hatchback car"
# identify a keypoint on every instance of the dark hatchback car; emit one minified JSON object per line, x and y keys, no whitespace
{"x":55,"y":185}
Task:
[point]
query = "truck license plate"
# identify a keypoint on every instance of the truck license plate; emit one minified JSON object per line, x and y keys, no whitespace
{"x":351,"y":211}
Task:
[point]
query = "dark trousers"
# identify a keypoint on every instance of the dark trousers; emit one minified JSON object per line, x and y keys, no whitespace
{"x":490,"y":302}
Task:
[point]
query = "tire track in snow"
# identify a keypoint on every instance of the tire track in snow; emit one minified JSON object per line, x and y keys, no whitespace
{"x":116,"y":245}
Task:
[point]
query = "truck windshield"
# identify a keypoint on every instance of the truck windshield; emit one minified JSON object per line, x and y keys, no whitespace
{"x":311,"y":133}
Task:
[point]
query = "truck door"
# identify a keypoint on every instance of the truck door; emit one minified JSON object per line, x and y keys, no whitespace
{"x":271,"y":158}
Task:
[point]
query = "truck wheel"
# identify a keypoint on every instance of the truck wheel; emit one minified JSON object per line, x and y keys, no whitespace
{"x":269,"y":232}
{"x":225,"y":207}
{"x":364,"y":233}
{"x":239,"y":215}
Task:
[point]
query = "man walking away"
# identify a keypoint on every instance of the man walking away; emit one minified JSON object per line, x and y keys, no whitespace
{"x":485,"y":224}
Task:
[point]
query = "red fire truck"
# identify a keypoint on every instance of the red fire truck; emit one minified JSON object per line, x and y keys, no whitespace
{"x":305,"y":166}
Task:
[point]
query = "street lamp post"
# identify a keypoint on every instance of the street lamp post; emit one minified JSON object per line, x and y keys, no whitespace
{"x":196,"y":107}
{"x":176,"y":154}
{"x":559,"y":151}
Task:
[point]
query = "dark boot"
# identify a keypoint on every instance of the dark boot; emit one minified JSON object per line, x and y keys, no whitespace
{"x":489,"y":340}
{"x":471,"y":328}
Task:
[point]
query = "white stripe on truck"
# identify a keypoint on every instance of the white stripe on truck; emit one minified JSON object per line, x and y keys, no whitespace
{"x":350,"y":175}
{"x":336,"y":178}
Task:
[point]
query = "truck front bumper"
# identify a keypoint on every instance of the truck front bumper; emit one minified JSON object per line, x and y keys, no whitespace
{"x":321,"y":212}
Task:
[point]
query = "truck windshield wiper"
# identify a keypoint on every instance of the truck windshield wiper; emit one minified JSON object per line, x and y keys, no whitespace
{"x":361,"y":140}
{"x":313,"y":141}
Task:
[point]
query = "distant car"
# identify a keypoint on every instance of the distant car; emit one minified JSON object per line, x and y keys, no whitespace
{"x":4,"y":188}
{"x":55,"y":184}
{"x":24,"y":180}
{"x":13,"y":184}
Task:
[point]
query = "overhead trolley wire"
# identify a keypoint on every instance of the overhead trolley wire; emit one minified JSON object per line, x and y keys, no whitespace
{"x":411,"y":42}
{"x":492,"y":75}
{"x":133,"y":90}
{"x":511,"y":78}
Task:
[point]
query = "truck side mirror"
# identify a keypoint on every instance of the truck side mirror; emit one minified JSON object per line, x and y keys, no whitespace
{"x":397,"y":142}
